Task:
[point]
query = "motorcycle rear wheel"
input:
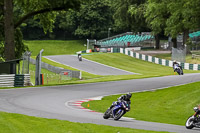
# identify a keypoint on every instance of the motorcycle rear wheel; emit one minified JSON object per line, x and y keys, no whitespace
{"x":119,"y":115}
{"x":189,"y":123}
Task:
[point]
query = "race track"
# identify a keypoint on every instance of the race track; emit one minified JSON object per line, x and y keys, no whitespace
{"x":52,"y":102}
{"x":87,"y":65}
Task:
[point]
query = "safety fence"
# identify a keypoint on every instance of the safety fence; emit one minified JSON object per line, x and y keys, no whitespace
{"x":15,"y":80}
{"x":58,"y":70}
{"x":54,"y":78}
{"x":156,"y":60}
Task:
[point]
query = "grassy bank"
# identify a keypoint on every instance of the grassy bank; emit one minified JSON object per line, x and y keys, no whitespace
{"x":172,"y":105}
{"x":16,"y":123}
{"x":55,"y":47}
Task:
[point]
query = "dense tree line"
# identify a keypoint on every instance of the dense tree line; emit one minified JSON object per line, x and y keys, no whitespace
{"x":81,"y":19}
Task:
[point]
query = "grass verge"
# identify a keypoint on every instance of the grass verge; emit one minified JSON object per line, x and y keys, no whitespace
{"x":172,"y":105}
{"x":55,"y":47}
{"x":16,"y":123}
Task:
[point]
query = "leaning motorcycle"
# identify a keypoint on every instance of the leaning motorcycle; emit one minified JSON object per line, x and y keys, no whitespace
{"x":117,"y":111}
{"x":194,"y":120}
{"x":79,"y":57}
{"x":179,"y":70}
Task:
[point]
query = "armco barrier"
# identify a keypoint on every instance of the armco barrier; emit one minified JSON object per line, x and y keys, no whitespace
{"x":12,"y":80}
{"x":158,"y":60}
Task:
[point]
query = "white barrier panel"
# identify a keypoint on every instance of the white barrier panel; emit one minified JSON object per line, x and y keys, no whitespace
{"x":171,"y":63}
{"x":150,"y":58}
{"x":186,"y":66}
{"x":131,"y":52}
{"x":111,"y":50}
{"x":143,"y":57}
{"x":89,"y":51}
{"x":195,"y":67}
{"x":157,"y":60}
{"x":121,"y":50}
{"x":137,"y":55}
{"x":163,"y":62}
{"x":126,"y":52}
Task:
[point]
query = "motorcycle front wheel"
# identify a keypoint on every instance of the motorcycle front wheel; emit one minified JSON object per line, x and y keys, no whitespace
{"x":189,"y":123}
{"x":119,"y":114}
{"x":107,"y":114}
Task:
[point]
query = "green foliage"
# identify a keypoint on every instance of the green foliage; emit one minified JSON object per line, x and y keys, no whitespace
{"x":156,"y":15}
{"x":20,"y":48}
{"x":47,"y":18}
{"x":172,"y":16}
{"x":122,"y":17}
{"x":129,"y":15}
{"x":25,"y":9}
{"x":93,"y":19}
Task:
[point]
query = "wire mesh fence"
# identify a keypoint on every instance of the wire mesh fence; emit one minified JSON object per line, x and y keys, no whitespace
{"x":179,"y":54}
{"x":26,"y":61}
{"x":54,"y":78}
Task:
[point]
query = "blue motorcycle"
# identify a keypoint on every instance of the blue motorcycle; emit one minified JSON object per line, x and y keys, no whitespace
{"x":178,"y":69}
{"x":117,"y":111}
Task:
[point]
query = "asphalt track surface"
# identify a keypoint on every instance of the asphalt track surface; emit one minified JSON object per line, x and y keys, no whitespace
{"x":87,"y":65}
{"x":53,"y":101}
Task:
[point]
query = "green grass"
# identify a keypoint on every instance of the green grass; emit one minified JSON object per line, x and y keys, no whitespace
{"x":55,"y":47}
{"x":16,"y":123}
{"x":133,"y":65}
{"x":172,"y":105}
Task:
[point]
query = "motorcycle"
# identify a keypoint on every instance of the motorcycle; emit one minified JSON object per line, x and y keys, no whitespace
{"x":194,"y":120}
{"x":178,"y":70}
{"x":79,"y":57}
{"x":117,"y":111}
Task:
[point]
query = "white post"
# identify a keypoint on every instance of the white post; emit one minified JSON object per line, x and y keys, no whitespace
{"x":80,"y":77}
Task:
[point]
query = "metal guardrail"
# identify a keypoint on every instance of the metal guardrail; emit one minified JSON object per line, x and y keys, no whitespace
{"x":15,"y":80}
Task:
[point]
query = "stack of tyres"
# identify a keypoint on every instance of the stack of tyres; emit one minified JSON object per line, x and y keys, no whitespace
{"x":19,"y":80}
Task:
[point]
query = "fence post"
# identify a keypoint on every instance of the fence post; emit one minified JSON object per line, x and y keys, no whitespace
{"x":38,"y":68}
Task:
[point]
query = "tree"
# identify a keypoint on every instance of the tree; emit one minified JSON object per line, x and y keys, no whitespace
{"x":129,"y":15}
{"x":173,"y":17}
{"x":43,"y":10}
{"x":156,"y":15}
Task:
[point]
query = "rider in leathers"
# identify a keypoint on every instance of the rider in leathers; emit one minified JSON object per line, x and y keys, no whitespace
{"x":175,"y":65}
{"x":126,"y":97}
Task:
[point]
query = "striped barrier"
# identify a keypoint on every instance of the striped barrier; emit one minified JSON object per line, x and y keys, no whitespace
{"x":7,"y":80}
{"x":15,"y":80}
{"x":85,"y":51}
{"x":156,"y":60}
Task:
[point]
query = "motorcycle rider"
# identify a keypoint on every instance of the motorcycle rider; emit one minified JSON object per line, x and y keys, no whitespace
{"x":79,"y":57}
{"x":126,"y":97}
{"x":176,"y":65}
